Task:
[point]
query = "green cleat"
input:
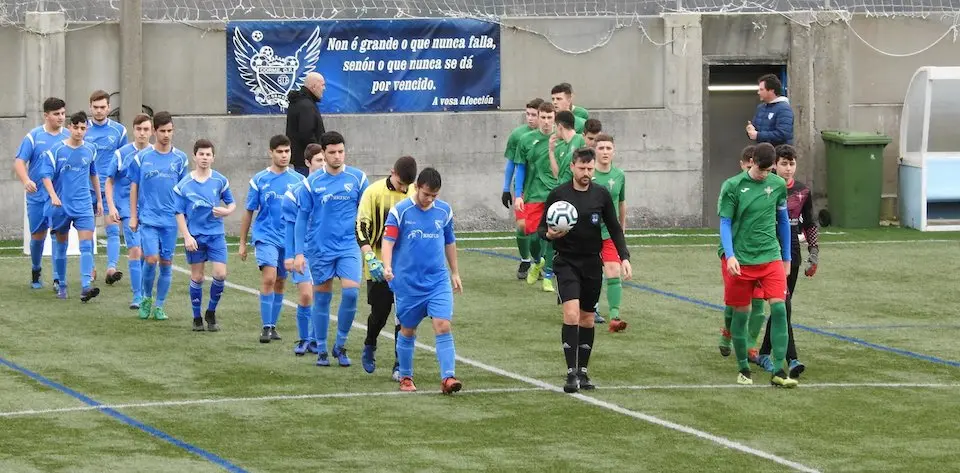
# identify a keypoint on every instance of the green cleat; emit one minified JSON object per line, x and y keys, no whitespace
{"x":533,"y":274}
{"x":547,"y":285}
{"x":159,"y":314}
{"x":146,"y":305}
{"x":726,"y":342}
{"x":744,"y":378}
{"x":781,"y":380}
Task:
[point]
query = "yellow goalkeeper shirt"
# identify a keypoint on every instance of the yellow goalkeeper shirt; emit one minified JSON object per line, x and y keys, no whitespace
{"x":375,"y":204}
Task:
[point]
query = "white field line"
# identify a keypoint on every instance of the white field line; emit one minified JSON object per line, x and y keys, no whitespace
{"x":723,"y":441}
{"x":301,"y":397}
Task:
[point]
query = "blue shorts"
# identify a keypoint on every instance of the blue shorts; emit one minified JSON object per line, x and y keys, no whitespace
{"x":130,"y":238}
{"x":60,"y":221}
{"x":212,"y":248}
{"x":158,"y":241}
{"x":412,"y":310}
{"x":300,"y":278}
{"x":346,"y":266}
{"x":36,"y":217}
{"x":270,"y":255}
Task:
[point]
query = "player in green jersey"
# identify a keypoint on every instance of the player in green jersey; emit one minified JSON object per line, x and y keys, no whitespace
{"x":528,"y":199}
{"x":591,"y":129}
{"x":562,"y":96}
{"x":755,"y":247}
{"x":523,"y":242}
{"x":611,"y":177}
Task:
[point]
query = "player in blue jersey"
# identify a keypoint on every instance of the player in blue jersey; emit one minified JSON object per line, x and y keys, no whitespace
{"x":118,"y":200}
{"x":27,"y":165}
{"x":418,"y":244}
{"x":69,"y":175}
{"x":306,"y":340}
{"x":328,"y":211}
{"x":200,"y":218}
{"x":265,"y":196}
{"x":153,"y":208}
{"x":108,"y":136}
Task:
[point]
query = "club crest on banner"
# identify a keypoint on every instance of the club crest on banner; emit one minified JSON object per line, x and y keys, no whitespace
{"x":270,"y":77}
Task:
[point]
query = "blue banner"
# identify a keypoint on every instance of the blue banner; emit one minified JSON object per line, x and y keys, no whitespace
{"x":370,"y":66}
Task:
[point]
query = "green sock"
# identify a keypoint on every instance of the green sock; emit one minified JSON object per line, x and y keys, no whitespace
{"x":738,"y":330}
{"x":727,"y":317}
{"x":614,"y":292}
{"x":778,"y":334}
{"x":548,"y":258}
{"x":756,"y":321}
{"x":523,"y":244}
{"x":536,"y":247}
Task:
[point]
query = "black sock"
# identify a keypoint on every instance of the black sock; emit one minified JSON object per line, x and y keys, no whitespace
{"x":570,"y":338}
{"x":396,"y":337}
{"x":585,"y":347}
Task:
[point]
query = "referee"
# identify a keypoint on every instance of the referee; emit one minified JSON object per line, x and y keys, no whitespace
{"x":577,"y":264}
{"x":375,"y":204}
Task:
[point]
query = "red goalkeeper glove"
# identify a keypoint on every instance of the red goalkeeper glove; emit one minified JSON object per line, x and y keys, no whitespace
{"x":812,"y":262}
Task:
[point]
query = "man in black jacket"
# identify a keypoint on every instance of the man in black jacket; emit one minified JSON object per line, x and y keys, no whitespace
{"x":304,"y":123}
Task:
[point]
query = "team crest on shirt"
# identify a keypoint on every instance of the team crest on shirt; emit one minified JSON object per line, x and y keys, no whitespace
{"x":611,"y":183}
{"x":438,"y":224}
{"x":594,"y":218}
{"x":348,"y":187}
{"x":768,"y":190}
{"x":270,"y":77}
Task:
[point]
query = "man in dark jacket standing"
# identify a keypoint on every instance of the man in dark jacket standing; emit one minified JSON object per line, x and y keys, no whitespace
{"x":773,"y":122}
{"x":304,"y":123}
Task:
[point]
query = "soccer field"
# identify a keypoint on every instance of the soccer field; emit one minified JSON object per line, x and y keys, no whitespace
{"x":89,"y":387}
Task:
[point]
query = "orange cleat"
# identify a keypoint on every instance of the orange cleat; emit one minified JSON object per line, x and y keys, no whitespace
{"x":616,"y":325}
{"x":406,"y":385}
{"x":752,"y":355}
{"x":450,"y":385}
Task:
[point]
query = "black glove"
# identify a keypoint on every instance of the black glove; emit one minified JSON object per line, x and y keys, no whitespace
{"x":506,"y":198}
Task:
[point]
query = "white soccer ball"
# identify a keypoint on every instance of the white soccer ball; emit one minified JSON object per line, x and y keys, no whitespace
{"x":562,"y":216}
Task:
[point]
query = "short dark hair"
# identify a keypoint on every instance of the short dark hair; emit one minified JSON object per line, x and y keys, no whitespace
{"x":584,"y":155}
{"x":406,"y":169}
{"x":204,"y":143}
{"x":429,"y":178}
{"x":604,"y":137}
{"x":52,"y":104}
{"x":562,"y":88}
{"x":161,"y":118}
{"x":331,"y":138}
{"x":748,"y":152}
{"x":98,"y":95}
{"x":592,"y":125}
{"x":771,"y":82}
{"x":566,"y":119}
{"x":546,"y":107}
{"x":277,"y":141}
{"x":764,"y":156}
{"x":143,"y":117}
{"x":787,"y":152}
{"x":535,"y":103}
{"x":312,"y":150}
{"x":79,"y":117}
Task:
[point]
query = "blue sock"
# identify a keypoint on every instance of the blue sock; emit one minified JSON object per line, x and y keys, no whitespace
{"x":277,"y":308}
{"x":86,"y":263}
{"x":405,"y":347}
{"x":321,"y":318}
{"x":196,"y":297}
{"x":113,"y":245}
{"x":136,"y":277}
{"x":59,"y":256}
{"x":303,"y":323}
{"x":163,"y":284}
{"x":346,"y":313}
{"x":446,"y":355}
{"x":216,"y":290}
{"x":266,"y":309}
{"x":36,"y":253}
{"x":149,"y":274}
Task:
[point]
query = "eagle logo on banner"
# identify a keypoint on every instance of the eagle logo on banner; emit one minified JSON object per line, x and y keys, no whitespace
{"x":270,"y":77}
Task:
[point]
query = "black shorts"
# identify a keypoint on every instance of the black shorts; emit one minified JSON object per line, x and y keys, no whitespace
{"x":379,"y":293}
{"x":579,"y":278}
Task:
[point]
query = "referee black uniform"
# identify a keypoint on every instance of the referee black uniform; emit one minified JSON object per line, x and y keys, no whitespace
{"x":579,"y":270}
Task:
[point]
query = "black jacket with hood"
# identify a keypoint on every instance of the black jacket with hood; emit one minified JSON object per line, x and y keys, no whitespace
{"x":304,"y":124}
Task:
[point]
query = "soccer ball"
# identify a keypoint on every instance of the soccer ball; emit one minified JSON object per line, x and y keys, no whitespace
{"x":562,"y":216}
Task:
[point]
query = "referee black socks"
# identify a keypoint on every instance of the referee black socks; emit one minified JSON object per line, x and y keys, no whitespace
{"x":585,"y":346}
{"x":571,"y":341}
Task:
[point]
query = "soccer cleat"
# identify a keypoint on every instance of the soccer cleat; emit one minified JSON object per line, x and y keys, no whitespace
{"x":198,"y":324}
{"x":752,"y":355}
{"x":395,"y":375}
{"x":300,"y":348}
{"x":265,"y":335}
{"x":597,"y":319}
{"x":449,"y":385}
{"x":35,"y":282}
{"x":744,"y":378}
{"x":796,"y":369}
{"x":56,"y":286}
{"x":340,"y":353}
{"x":312,"y":347}
{"x":726,"y":342}
{"x":573,"y":383}
{"x":89,"y":293}
{"x":523,"y":270}
{"x":765,"y":362}
{"x":584,"y":380}
{"x":159,"y":313}
{"x":61,"y":291}
{"x":547,"y":284}
{"x":617,"y":325}
{"x":533,"y":274}
{"x":113,"y":277}
{"x":406,"y":385}
{"x":369,"y":360}
{"x":211,"y":318}
{"x":323,"y":360}
{"x":135,"y":303}
{"x":781,"y":380}
{"x":146,"y":306}
{"x":274,"y":335}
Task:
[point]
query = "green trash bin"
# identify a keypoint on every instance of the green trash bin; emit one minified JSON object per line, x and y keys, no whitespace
{"x":854,"y":177}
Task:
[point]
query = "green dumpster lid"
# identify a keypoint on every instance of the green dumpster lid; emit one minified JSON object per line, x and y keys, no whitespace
{"x":855,"y":137}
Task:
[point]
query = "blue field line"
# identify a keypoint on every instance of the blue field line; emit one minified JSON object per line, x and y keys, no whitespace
{"x":857,"y":341}
{"x":123,"y":417}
